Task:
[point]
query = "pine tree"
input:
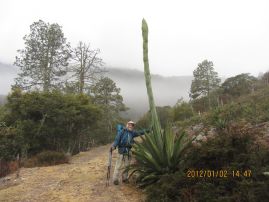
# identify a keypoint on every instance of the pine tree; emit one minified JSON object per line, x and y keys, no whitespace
{"x":44,"y":59}
{"x":106,"y":94}
{"x":205,"y":80}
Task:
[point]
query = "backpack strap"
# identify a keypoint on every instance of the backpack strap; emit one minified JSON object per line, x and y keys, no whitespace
{"x":121,"y":134}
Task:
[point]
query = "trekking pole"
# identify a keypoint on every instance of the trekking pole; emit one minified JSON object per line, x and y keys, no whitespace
{"x":108,"y":167}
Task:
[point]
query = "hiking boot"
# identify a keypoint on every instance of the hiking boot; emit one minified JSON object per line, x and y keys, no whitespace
{"x":116,"y":182}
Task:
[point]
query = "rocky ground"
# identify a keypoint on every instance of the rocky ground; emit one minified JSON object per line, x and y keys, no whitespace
{"x":203,"y":133}
{"x":83,"y":179}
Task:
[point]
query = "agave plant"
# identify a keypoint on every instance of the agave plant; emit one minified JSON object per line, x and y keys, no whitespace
{"x":161,"y":151}
{"x":153,"y":160}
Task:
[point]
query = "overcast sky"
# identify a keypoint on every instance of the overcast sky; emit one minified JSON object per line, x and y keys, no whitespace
{"x":234,"y":34}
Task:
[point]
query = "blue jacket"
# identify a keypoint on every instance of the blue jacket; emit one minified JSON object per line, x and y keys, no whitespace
{"x":125,"y":138}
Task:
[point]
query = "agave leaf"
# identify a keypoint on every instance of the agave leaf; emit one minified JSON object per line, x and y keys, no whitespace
{"x":152,"y":176}
{"x":179,"y":143}
{"x":154,"y":149}
{"x":169,"y":143}
{"x":145,"y":158}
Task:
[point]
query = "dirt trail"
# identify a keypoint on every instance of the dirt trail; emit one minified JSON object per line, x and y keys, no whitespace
{"x":82,"y":180}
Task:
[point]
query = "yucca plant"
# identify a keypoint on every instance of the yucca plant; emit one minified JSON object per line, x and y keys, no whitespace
{"x":160,"y":152}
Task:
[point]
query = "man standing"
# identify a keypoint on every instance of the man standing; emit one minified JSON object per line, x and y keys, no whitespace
{"x":124,"y":141}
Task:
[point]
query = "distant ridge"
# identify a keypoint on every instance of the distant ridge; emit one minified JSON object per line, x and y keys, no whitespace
{"x":167,"y":90}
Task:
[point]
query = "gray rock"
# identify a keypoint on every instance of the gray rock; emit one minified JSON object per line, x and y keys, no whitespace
{"x":199,"y":137}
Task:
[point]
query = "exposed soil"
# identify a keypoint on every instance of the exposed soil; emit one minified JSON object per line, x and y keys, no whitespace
{"x":83,"y":179}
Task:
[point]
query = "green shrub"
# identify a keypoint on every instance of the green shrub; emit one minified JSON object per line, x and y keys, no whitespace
{"x":11,"y":143}
{"x":51,"y":120}
{"x":164,"y":113}
{"x":195,"y":120}
{"x":182,"y":111}
{"x":235,"y":150}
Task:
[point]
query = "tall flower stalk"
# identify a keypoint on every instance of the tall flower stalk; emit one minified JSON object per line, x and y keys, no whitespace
{"x":160,"y":152}
{"x":154,"y":117}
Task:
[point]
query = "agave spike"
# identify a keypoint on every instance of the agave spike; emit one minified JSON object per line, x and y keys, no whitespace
{"x":160,"y":152}
{"x":154,"y":117}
